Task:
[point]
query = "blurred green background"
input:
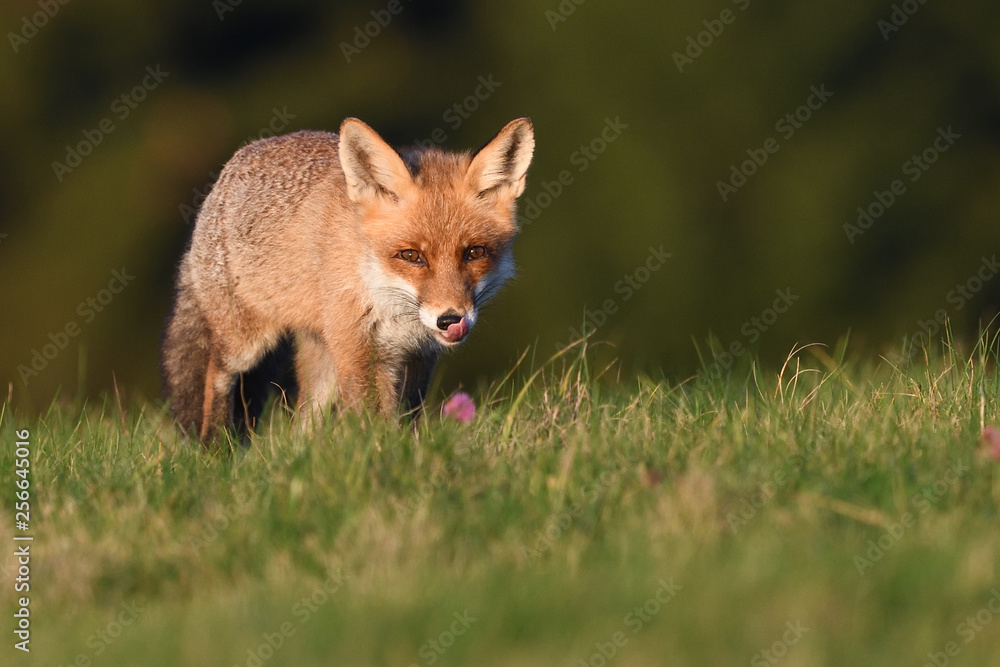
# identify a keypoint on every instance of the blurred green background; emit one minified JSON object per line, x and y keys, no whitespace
{"x":641,"y":109}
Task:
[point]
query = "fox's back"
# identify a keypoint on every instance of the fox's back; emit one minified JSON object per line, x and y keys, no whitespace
{"x":267,"y":230}
{"x":267,"y":183}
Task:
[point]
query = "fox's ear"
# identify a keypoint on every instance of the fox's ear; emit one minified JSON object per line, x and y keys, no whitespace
{"x":372,"y":168}
{"x":502,"y":164}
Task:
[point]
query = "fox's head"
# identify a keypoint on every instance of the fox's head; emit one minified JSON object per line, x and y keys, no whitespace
{"x":438,"y":225}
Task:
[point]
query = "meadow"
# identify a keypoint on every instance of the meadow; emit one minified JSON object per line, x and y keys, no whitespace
{"x":829,"y":511}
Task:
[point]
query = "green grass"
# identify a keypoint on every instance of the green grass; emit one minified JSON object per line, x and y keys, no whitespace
{"x":751,"y":503}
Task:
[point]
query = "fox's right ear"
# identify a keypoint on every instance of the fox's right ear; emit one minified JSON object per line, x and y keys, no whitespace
{"x":372,"y":168}
{"x":502,"y":165}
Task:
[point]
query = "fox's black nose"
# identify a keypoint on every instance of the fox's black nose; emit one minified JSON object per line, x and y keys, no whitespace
{"x":447,"y":320}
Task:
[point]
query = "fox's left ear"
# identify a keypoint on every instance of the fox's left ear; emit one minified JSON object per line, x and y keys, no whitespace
{"x":502,"y":164}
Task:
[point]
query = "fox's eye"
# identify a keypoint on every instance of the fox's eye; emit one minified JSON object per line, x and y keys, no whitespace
{"x":475,"y":252}
{"x":412,"y":256}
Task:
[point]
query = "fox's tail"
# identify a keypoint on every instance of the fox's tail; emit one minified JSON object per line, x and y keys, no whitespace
{"x":186,"y":350}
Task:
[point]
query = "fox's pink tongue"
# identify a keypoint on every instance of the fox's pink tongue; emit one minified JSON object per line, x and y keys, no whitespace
{"x":458,"y":330}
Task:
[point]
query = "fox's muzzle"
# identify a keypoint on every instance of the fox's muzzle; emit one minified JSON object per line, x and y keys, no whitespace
{"x":454,"y":327}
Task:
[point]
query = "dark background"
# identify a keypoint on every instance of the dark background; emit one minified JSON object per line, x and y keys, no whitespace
{"x":234,"y":69}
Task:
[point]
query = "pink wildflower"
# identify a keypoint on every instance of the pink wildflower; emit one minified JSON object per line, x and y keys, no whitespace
{"x":991,"y":442}
{"x":460,"y":407}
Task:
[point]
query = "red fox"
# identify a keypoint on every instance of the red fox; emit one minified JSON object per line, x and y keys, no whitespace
{"x":371,"y":261}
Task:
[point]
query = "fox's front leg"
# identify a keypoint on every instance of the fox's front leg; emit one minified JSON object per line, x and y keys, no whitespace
{"x":402,"y":383}
{"x":317,"y":379}
{"x":349,"y":350}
